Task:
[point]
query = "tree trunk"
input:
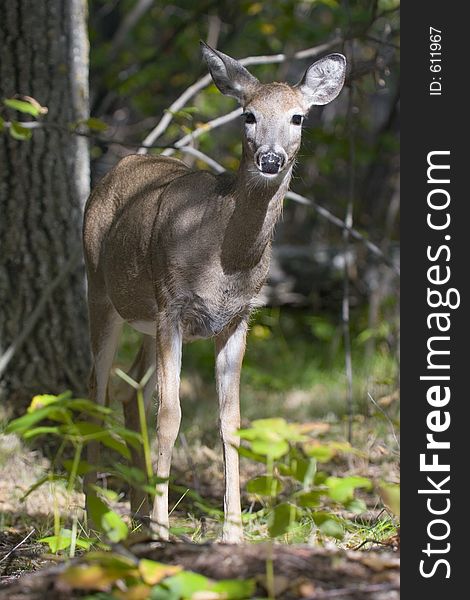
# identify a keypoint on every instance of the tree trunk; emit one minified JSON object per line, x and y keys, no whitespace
{"x":44,"y":183}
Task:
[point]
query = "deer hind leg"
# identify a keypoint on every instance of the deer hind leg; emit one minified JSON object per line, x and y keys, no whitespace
{"x":144,"y":361}
{"x":230,"y":348}
{"x":105,"y":328}
{"x":169,"y":345}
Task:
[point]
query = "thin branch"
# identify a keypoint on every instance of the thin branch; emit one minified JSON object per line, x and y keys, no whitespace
{"x":201,"y":156}
{"x":201,"y":130}
{"x":199,"y":85}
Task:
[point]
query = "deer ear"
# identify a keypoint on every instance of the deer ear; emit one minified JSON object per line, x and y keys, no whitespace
{"x":324,"y":79}
{"x":228,"y":74}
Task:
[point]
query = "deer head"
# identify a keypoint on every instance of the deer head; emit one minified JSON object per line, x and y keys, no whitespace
{"x":274,"y":112}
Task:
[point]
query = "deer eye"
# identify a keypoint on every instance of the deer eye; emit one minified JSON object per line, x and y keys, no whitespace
{"x":297,"y":119}
{"x":249,"y":118}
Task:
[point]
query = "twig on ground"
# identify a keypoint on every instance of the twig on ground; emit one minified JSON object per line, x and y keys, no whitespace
{"x":17,"y":545}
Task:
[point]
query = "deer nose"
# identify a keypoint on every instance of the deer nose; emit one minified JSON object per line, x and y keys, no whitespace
{"x":270,"y":162}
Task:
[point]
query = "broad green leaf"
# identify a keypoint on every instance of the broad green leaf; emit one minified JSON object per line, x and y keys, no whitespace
{"x":18,"y":132}
{"x":320,"y":452}
{"x":87,"y":406}
{"x":97,"y":432}
{"x":272,"y":449}
{"x":90,"y":577}
{"x":41,"y":401}
{"x":131,"y":475}
{"x":2,"y":122}
{"x":64,"y":540}
{"x":234,"y":589}
{"x":186,"y":583}
{"x":247,"y":453}
{"x":264,"y":486}
{"x":281,"y":517}
{"x":28,"y":108}
{"x":105,"y":519}
{"x":24,"y":423}
{"x":96,"y":124}
{"x":309,"y":499}
{"x":328,"y":525}
{"x":341,"y":489}
{"x":356,"y":505}
{"x":153,"y":572}
{"x":332,"y":528}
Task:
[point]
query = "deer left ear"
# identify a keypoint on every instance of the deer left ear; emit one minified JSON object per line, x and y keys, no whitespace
{"x":323,"y":80}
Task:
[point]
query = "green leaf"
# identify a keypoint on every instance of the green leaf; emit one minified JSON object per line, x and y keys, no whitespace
{"x":270,"y":449}
{"x":332,"y":528}
{"x":356,"y":505}
{"x":63,"y":541}
{"x":280,"y":519}
{"x":341,"y":489}
{"x":185,"y":585}
{"x":131,"y":475}
{"x":94,"y":124}
{"x":18,"y":132}
{"x":87,"y":406}
{"x":86,"y":429}
{"x":264,"y":486}
{"x":106,"y":520}
{"x":247,"y":453}
{"x":24,"y":423}
{"x":27,"y":108}
{"x":41,"y":431}
{"x":153,"y":572}
{"x":309,"y":499}
{"x":234,"y":589}
{"x":83,"y":467}
{"x":2,"y":122}
{"x":320,"y":452}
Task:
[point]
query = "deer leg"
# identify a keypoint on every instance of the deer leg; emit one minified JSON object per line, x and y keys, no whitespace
{"x":105,"y":327}
{"x":169,"y":346}
{"x":230,"y":348}
{"x":144,"y":360}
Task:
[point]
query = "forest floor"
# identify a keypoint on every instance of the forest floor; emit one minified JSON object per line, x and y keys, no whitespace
{"x":306,"y":562}
{"x":362,"y":565}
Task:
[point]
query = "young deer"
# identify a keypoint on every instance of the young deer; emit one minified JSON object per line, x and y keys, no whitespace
{"x":181,"y":254}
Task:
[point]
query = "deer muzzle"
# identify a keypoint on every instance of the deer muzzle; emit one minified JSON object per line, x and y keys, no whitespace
{"x":270,"y":162}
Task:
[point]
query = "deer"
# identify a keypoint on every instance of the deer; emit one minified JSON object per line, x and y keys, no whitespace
{"x":181,"y":254}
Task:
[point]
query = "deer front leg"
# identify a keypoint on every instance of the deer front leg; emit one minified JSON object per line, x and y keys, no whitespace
{"x":169,"y":344}
{"x":230,"y":348}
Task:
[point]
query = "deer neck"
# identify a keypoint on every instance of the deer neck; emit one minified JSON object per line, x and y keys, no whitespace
{"x":258,"y":206}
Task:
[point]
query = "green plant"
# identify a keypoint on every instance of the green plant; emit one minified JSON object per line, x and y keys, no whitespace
{"x":293,"y":490}
{"x":76,"y":422}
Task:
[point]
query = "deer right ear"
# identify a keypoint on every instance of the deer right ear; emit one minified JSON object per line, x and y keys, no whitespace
{"x":228,"y":74}
{"x":324,"y":79}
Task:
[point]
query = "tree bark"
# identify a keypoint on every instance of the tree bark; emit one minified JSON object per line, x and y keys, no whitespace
{"x":44,"y":183}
